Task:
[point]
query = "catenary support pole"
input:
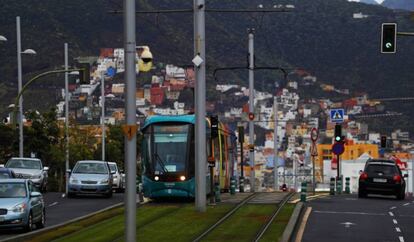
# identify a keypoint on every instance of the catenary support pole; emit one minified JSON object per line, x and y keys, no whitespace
{"x":103,"y":113}
{"x":19,"y":80}
{"x":200,"y":107}
{"x":275,"y":144}
{"x":130,"y":106}
{"x":251,"y":108}
{"x":66,"y":119}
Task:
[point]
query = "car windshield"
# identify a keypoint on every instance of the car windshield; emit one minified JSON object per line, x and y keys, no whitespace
{"x":384,"y":169}
{"x":91,"y":168}
{"x":24,"y":164}
{"x":113,"y":167}
{"x":12,"y":190}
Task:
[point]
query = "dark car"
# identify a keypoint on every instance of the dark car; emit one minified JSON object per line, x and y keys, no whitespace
{"x":382,"y":177}
{"x":6,"y":173}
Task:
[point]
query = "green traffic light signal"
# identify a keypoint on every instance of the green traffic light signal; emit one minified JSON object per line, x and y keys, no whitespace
{"x":388,"y":37}
{"x":338,"y":138}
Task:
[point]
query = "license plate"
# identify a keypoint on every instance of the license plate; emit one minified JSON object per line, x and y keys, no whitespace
{"x":1,"y":218}
{"x":382,"y":180}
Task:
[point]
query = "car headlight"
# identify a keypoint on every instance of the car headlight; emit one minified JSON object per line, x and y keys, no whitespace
{"x":20,"y":208}
{"x":104,"y":181}
{"x":73,"y":181}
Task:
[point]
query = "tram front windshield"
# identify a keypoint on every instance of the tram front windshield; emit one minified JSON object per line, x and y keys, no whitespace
{"x":168,"y":148}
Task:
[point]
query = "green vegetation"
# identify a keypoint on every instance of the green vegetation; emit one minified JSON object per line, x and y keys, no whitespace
{"x":113,"y":228}
{"x":243,"y":225}
{"x":275,"y":231}
{"x":154,"y":223}
{"x":46,"y":138}
{"x":77,"y":226}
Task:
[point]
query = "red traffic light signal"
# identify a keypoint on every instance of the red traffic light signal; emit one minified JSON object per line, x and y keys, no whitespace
{"x":251,"y":116}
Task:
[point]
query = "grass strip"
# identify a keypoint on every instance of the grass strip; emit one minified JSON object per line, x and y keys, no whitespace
{"x":184,"y":225}
{"x":76,"y":226}
{"x":275,"y":230}
{"x":243,"y":225}
{"x":113,"y":229}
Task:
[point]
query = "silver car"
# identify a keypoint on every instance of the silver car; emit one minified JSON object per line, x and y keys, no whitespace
{"x":30,"y":168}
{"x":21,"y":205}
{"x":90,"y":177}
{"x":117,"y":178}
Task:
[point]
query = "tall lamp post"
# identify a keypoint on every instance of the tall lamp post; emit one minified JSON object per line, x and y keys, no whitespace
{"x":19,"y":77}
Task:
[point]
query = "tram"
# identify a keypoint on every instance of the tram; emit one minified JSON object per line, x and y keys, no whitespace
{"x":168,"y":156}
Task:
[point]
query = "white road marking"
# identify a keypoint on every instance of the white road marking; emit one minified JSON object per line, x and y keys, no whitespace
{"x":353,"y":213}
{"x":351,"y":199}
{"x":391,"y":214}
{"x":406,"y":204}
{"x":348,"y":224}
{"x":52,"y":204}
{"x":395,"y":221}
{"x":398,"y":230}
{"x":401,"y":239}
{"x":391,"y":208}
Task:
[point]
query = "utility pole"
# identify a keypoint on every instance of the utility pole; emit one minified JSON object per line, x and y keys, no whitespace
{"x":66,"y":119}
{"x":130,"y":124}
{"x":251,"y":107}
{"x":19,"y":80}
{"x":103,"y":113}
{"x":200,"y":104}
{"x":275,"y":161}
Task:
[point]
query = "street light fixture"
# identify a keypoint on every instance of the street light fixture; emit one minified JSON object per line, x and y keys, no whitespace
{"x":19,"y":79}
{"x":2,"y":38}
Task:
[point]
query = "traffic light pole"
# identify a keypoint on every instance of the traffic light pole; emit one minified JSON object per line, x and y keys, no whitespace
{"x":251,"y":108}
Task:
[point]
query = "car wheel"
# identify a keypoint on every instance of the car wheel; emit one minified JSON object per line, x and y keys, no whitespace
{"x":362,"y":194}
{"x":41,"y":223}
{"x":401,"y":195}
{"x":29,"y":225}
{"x":109,"y":194}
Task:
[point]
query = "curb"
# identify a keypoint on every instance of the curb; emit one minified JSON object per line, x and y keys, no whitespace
{"x":293,"y":221}
{"x":22,"y":237}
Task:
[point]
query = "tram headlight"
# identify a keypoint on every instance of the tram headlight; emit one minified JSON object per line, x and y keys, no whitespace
{"x":156,"y":178}
{"x":182,"y":178}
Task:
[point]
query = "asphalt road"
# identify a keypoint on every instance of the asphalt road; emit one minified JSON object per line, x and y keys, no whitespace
{"x":347,"y":218}
{"x":60,"y":209}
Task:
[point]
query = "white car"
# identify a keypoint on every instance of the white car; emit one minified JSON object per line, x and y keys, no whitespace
{"x":117,"y":177}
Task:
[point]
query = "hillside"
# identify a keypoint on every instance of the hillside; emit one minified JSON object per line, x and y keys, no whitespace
{"x":320,"y":36}
{"x":399,"y":4}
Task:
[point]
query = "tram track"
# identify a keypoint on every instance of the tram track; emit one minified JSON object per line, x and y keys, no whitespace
{"x":280,"y":206}
{"x":225,"y":217}
{"x":249,"y":200}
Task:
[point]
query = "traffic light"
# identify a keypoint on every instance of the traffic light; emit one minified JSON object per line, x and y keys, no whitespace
{"x":388,"y":38}
{"x":214,"y":126}
{"x":241,"y":134}
{"x":338,"y":132}
{"x":84,"y":74}
{"x":383,"y":141}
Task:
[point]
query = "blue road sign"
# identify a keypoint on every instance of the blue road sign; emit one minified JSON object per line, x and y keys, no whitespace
{"x":338,"y":148}
{"x":337,"y":115}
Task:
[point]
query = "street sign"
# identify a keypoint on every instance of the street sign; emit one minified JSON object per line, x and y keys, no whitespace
{"x":251,"y":116}
{"x":337,"y":115}
{"x":338,"y":148}
{"x":129,"y":130}
{"x":314,"y":134}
